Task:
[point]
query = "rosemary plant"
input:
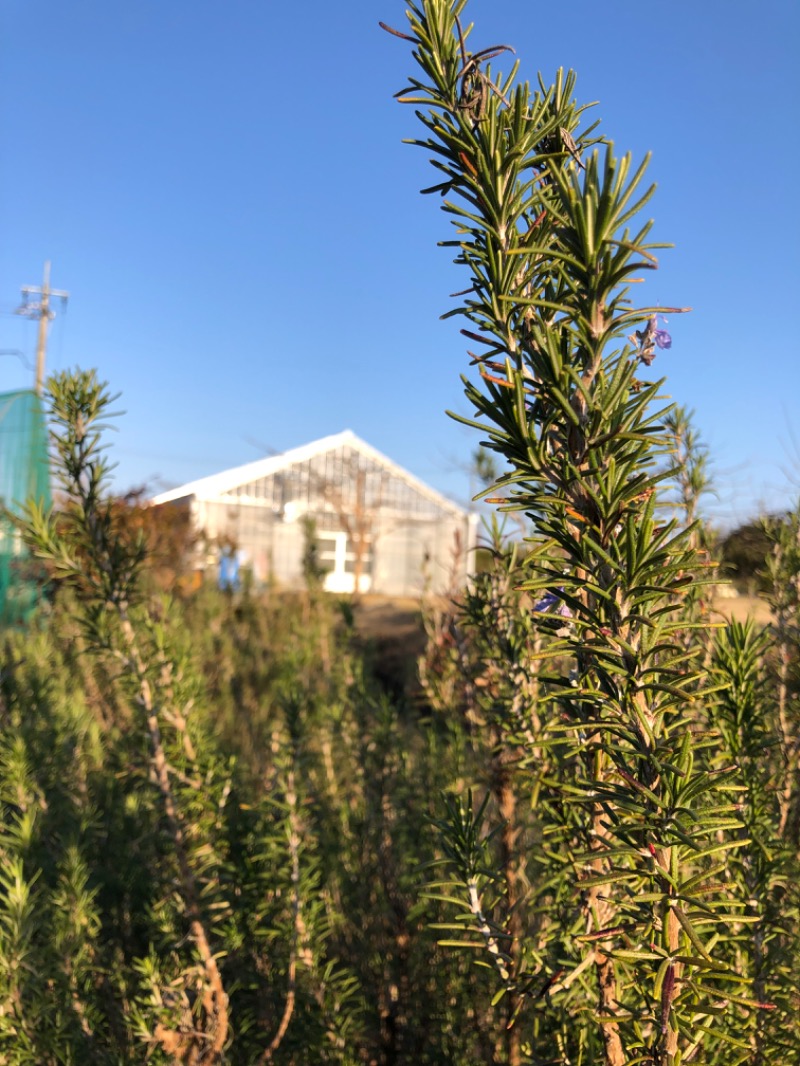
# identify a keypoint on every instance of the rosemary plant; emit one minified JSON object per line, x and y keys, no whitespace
{"x":546,"y":221}
{"x":184,"y":920}
{"x":783,"y":577}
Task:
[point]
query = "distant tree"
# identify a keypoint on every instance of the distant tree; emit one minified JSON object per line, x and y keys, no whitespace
{"x":745,"y":549}
{"x":170,"y":536}
{"x":483,"y":471}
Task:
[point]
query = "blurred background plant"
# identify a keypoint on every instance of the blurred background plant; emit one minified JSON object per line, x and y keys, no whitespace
{"x":214,"y":815}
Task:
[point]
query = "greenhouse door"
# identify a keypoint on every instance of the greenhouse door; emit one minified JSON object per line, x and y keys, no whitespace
{"x":337,"y":557}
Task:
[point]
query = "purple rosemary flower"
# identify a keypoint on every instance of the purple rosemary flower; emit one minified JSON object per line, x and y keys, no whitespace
{"x":650,"y":338}
{"x":549,"y":601}
{"x":546,"y":602}
{"x":662,"y":338}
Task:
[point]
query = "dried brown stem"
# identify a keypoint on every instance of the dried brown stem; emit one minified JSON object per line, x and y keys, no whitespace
{"x":600,"y":911}
{"x":298,"y":926}
{"x":214,"y":1041}
{"x":509,"y":857}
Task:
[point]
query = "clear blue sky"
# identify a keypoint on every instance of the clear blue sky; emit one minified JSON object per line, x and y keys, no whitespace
{"x":223,"y":190}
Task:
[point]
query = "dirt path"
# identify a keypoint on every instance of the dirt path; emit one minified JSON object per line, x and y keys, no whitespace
{"x":393,"y":630}
{"x":739,"y":608}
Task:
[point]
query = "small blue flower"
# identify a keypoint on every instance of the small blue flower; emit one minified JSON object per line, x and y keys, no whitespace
{"x":662,"y":338}
{"x":546,"y":602}
{"x":551,"y":600}
{"x":650,"y":338}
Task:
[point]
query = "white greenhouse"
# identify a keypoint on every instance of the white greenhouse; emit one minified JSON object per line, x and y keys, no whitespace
{"x":377,"y":527}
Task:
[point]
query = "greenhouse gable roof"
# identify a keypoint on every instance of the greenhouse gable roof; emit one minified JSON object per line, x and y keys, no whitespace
{"x":216,"y":485}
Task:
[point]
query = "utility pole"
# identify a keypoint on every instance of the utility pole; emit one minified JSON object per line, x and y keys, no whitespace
{"x":40,"y":309}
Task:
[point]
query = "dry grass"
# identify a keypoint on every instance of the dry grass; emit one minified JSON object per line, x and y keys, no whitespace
{"x":740,"y":608}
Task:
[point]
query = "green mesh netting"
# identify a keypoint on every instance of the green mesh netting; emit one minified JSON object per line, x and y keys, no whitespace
{"x":24,"y":475}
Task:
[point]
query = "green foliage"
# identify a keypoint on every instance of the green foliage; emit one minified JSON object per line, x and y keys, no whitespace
{"x":222,"y":842}
{"x":782,"y":575}
{"x":166,"y":870}
{"x":643,"y":952}
{"x":213,"y":818}
{"x":313,"y":571}
{"x":764,"y":875}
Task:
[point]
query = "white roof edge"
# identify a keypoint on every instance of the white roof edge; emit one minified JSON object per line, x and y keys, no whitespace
{"x":218,"y":484}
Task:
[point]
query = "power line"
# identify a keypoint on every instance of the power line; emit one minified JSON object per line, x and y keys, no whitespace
{"x":19,"y":355}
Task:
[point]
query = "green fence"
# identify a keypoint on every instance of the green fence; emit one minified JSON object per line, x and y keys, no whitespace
{"x":24,"y":475}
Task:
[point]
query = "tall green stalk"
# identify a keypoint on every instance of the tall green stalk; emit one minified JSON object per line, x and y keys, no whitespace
{"x":545,"y":219}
